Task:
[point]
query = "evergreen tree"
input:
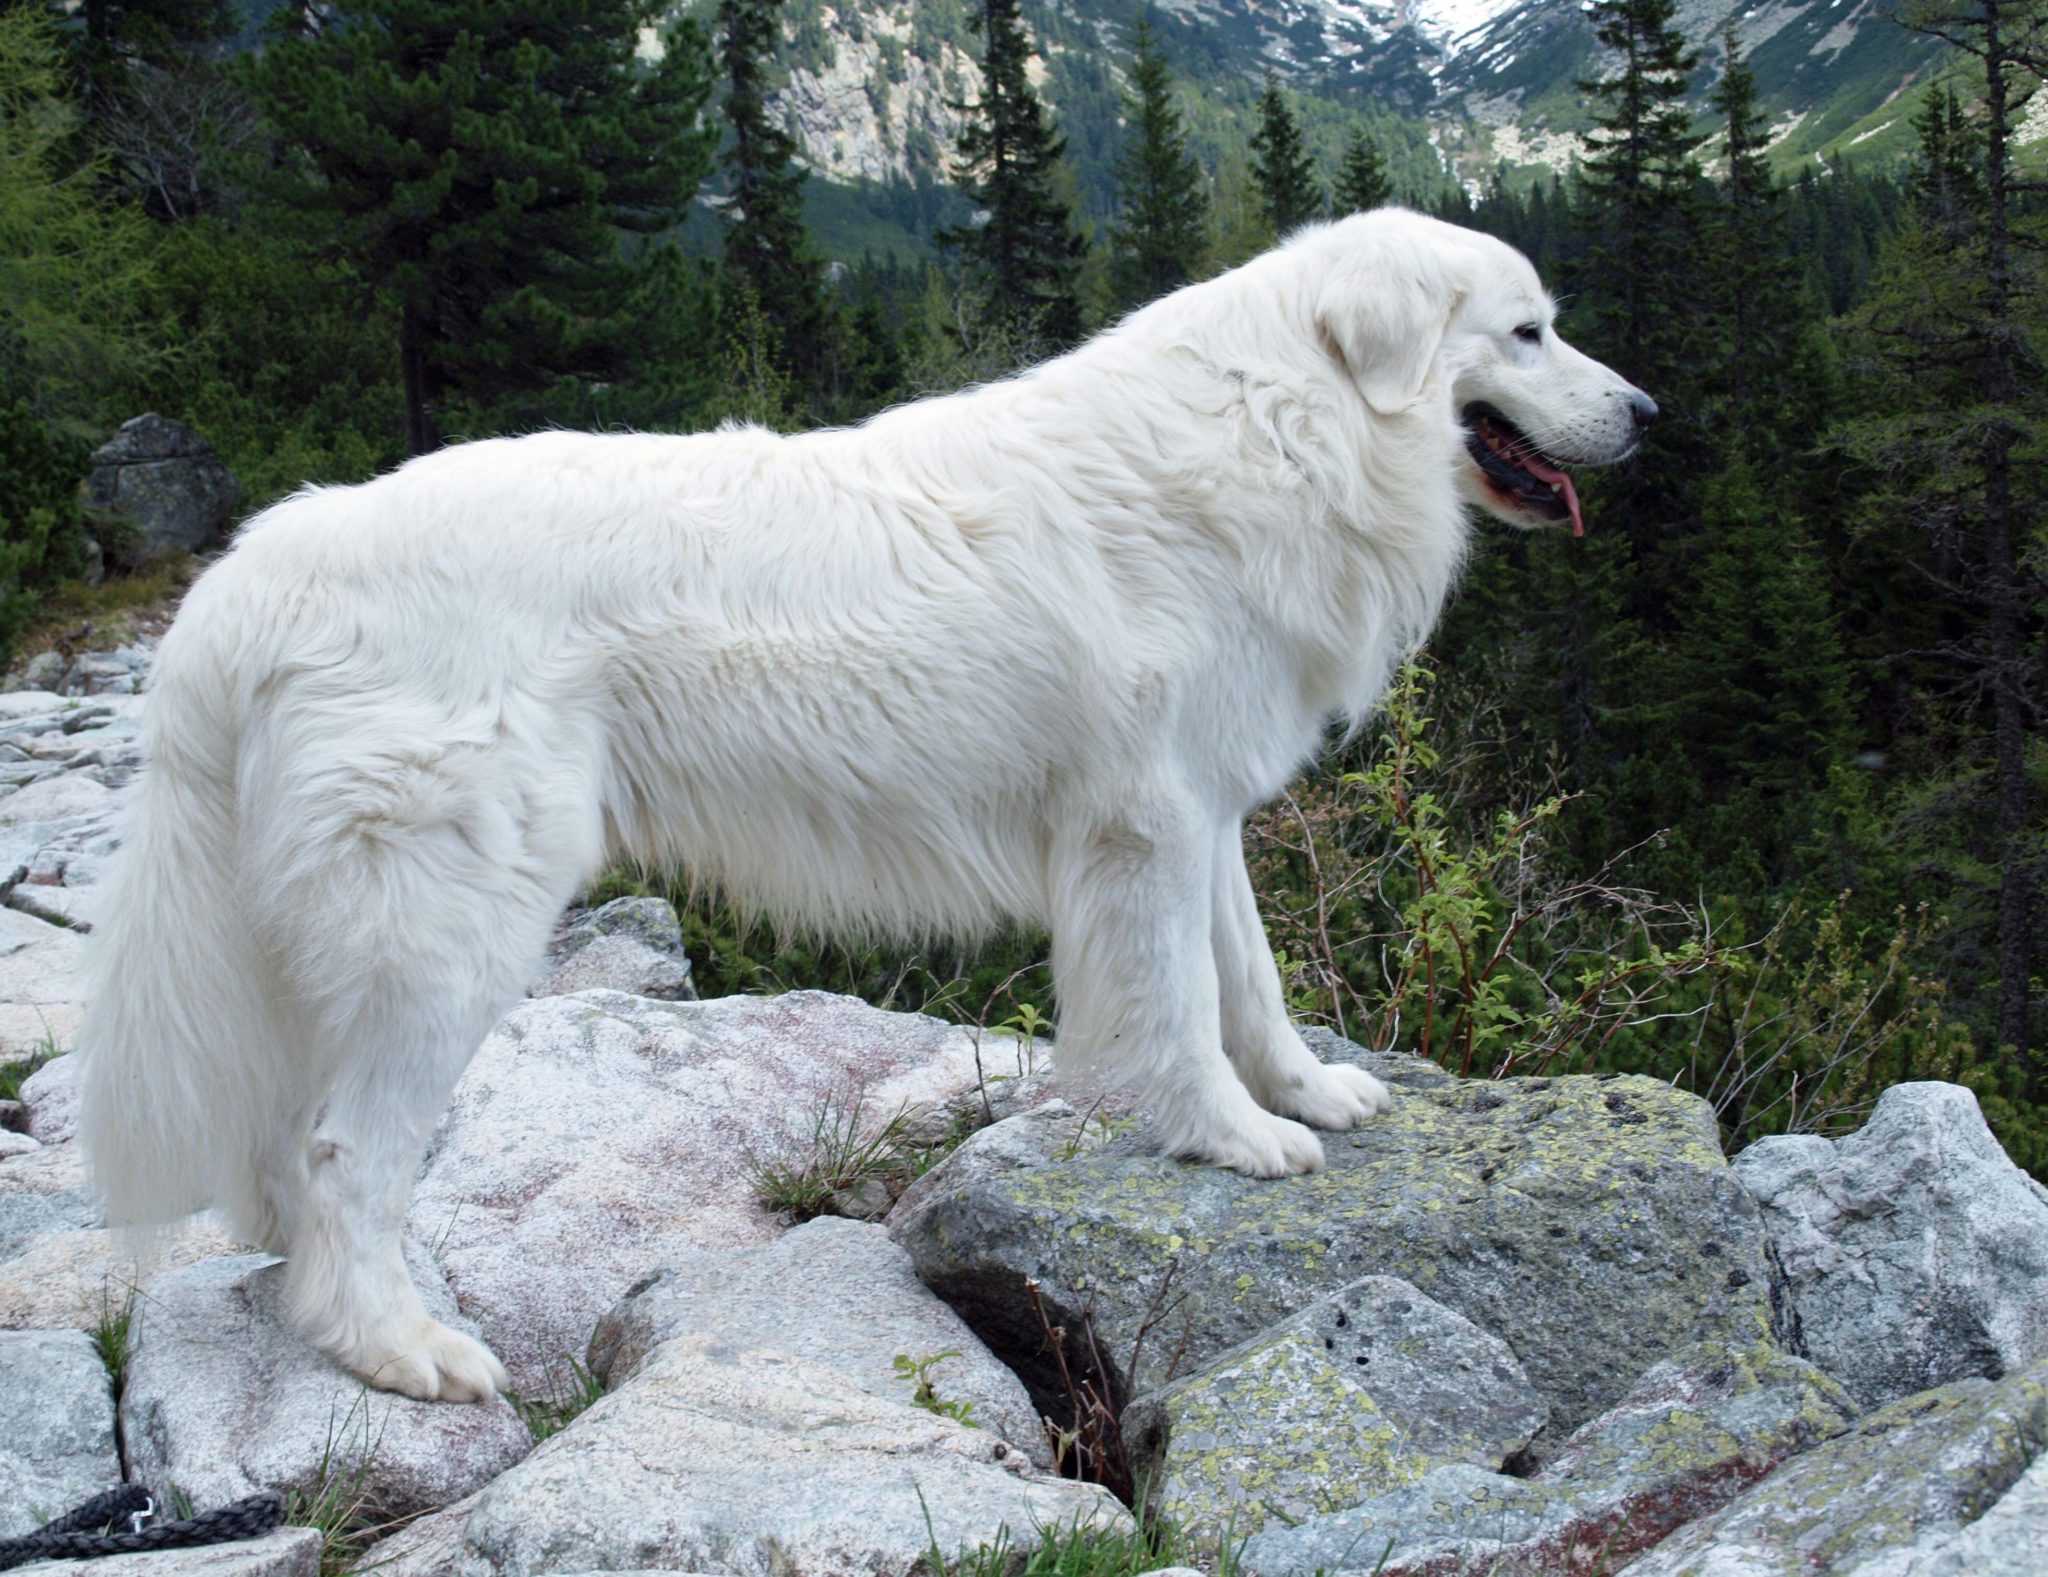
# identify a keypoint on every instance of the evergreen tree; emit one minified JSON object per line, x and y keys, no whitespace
{"x":74,"y":271}
{"x":110,"y":38}
{"x":1755,"y":684}
{"x":1955,"y":342}
{"x":1362,"y":182}
{"x":477,"y":164}
{"x":1281,"y":166}
{"x":1025,"y":251}
{"x":1158,"y":240}
{"x":1757,"y":306}
{"x":776,"y":293}
{"x":1639,"y":198}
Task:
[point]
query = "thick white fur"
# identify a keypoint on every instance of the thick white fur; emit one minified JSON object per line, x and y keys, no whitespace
{"x":1028,"y":650}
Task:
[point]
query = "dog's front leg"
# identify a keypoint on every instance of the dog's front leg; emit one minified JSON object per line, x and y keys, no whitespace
{"x":1280,"y":1071}
{"x":1131,"y":893}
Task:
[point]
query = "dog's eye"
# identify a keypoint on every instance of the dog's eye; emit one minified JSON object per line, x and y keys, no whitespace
{"x":1531,"y":332}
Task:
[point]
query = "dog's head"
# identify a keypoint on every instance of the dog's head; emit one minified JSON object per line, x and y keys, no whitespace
{"x":1422,"y":311}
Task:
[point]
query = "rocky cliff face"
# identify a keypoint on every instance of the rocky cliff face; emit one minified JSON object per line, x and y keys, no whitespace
{"x":876,"y":87}
{"x":885,"y":100}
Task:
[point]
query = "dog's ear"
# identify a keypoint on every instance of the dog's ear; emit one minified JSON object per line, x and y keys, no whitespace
{"x":1384,"y":309}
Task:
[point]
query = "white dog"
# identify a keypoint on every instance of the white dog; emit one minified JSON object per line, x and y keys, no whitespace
{"x":1032,"y":649}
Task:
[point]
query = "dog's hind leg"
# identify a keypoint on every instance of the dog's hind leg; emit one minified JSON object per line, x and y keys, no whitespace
{"x":1281,"y":1072}
{"x":1130,"y":903}
{"x":414,"y":923}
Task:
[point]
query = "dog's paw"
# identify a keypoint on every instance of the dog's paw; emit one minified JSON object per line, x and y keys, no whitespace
{"x":437,"y":1364}
{"x":1262,"y":1145}
{"x":1337,"y":1096}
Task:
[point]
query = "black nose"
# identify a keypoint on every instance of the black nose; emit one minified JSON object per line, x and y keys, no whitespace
{"x":1642,"y":408}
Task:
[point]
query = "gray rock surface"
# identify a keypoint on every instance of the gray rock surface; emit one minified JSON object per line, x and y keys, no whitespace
{"x":164,"y":485}
{"x":57,"y":1447}
{"x":2009,"y":1540}
{"x":223,"y":1400}
{"x":70,"y":1276}
{"x":1362,"y":1392}
{"x":594,"y":1136}
{"x":289,"y":1552}
{"x":634,"y":945}
{"x":831,"y":1292}
{"x":746,"y":1461}
{"x":1696,"y":1431}
{"x":1041,"y":1135}
{"x":1914,"y":1252}
{"x":1591,"y":1223}
{"x":1917,"y":1471}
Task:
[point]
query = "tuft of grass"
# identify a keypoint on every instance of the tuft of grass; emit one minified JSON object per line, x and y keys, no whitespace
{"x":13,"y":1075}
{"x":338,"y":1504}
{"x":839,"y":1162}
{"x":1080,"y":1550}
{"x":113,"y":1339}
{"x":571,"y":1389}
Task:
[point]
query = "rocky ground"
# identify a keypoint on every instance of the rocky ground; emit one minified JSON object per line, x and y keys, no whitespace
{"x":1535,"y":1326}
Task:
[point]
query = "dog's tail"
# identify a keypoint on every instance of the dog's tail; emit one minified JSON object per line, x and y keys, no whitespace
{"x":180,"y":1047}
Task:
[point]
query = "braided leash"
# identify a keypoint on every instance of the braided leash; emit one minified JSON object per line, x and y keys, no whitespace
{"x":92,"y":1528}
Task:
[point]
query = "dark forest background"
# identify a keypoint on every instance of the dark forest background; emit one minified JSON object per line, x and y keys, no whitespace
{"x":1743,"y":789}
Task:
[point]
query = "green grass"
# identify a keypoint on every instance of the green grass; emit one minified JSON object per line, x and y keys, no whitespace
{"x":113,"y":1339}
{"x":1079,"y":1550}
{"x":108,"y":607}
{"x":840,"y":1158}
{"x":338,"y":1505}
{"x":13,"y":1075}
{"x":571,"y":1389}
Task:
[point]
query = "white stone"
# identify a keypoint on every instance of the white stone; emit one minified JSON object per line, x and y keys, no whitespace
{"x":832,"y":1292}
{"x":750,"y":1462}
{"x":595,"y":1135}
{"x":57,"y":798}
{"x":224,"y":1400}
{"x":73,"y":1277}
{"x":57,"y":1444}
{"x":1914,"y":1251}
{"x":51,"y":1096}
{"x":39,"y":983}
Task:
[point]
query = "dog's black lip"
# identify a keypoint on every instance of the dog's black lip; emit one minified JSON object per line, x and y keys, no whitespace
{"x":1522,"y":489}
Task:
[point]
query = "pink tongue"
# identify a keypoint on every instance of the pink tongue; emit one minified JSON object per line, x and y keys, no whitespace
{"x":1557,"y":478}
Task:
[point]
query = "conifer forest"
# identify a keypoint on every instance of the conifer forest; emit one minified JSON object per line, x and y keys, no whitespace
{"x":1747,"y":788}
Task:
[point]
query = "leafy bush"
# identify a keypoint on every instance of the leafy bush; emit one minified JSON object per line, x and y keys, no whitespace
{"x":42,"y":527}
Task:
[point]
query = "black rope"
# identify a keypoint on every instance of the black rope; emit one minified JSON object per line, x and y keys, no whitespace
{"x":123,"y":1521}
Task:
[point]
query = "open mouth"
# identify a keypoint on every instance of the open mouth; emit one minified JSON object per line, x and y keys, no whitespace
{"x":1518,"y":470}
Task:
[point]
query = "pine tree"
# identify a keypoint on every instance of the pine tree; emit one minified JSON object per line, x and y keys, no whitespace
{"x":1159,"y":238}
{"x":477,"y":164}
{"x":1639,"y":192}
{"x":1281,"y":166}
{"x":75,"y":272}
{"x":1956,"y":340}
{"x":1362,"y":182}
{"x":1755,"y":682}
{"x":1025,"y":251}
{"x":1758,"y":309}
{"x":776,"y":297}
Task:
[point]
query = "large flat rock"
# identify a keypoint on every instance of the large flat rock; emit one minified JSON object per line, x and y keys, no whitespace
{"x":1590,"y":1223}
{"x":223,"y":1399}
{"x":595,"y":1136}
